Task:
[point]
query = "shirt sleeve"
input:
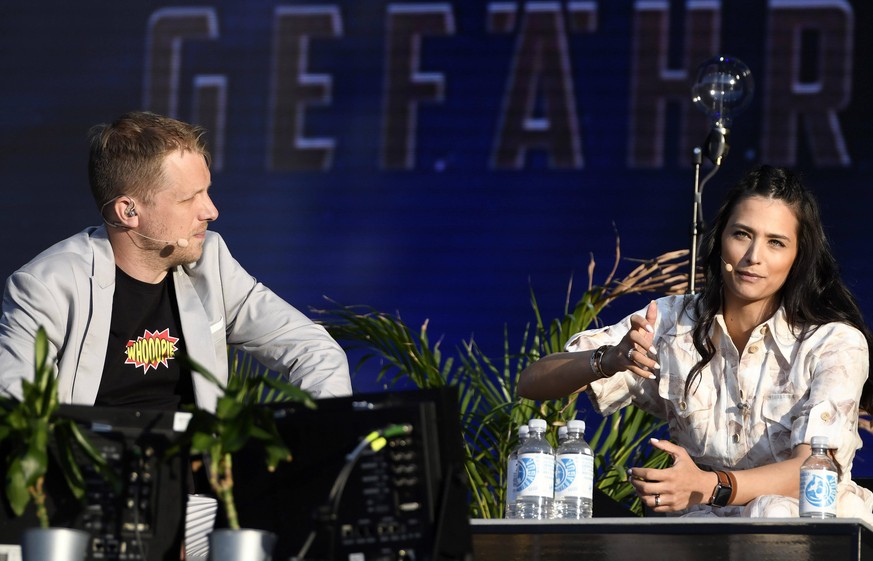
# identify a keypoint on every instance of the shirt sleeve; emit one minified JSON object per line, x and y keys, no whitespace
{"x":611,"y":394}
{"x":837,"y":370}
{"x":30,"y":304}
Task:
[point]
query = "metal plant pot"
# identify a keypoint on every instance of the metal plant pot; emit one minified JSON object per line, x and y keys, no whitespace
{"x":54,"y":544}
{"x":241,"y":545}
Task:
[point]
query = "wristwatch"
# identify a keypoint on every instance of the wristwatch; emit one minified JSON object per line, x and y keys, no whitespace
{"x":723,"y":491}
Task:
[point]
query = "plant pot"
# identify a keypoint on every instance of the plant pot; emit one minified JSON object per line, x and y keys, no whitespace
{"x":54,"y":544}
{"x":241,"y":545}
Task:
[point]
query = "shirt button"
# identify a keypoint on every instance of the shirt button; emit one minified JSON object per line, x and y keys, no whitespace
{"x":753,"y":349}
{"x":735,"y":438}
{"x":765,"y":329}
{"x":826,"y":416}
{"x":683,"y":406}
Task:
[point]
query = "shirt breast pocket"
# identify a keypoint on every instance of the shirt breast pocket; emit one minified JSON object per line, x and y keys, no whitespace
{"x":691,"y":416}
{"x":779,"y":416}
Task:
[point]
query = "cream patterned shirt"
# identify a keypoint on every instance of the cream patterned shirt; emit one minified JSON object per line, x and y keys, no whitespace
{"x":745,"y":410}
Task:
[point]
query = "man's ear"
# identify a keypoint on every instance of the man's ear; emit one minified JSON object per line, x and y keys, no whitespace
{"x":124,"y":213}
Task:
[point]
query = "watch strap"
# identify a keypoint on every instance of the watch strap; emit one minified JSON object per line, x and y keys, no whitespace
{"x":723,"y":492}
{"x":733,"y":480}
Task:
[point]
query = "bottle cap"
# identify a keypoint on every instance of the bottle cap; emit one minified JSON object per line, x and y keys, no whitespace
{"x":523,"y":430}
{"x":576,"y":425}
{"x":819,"y":442}
{"x":537,"y":424}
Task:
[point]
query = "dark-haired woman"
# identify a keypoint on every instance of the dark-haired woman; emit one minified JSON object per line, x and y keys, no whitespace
{"x":771,"y":352}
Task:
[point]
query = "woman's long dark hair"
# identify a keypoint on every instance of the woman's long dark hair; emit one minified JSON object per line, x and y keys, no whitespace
{"x":813,"y":294}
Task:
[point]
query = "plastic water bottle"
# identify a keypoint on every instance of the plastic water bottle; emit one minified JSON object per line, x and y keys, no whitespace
{"x":562,"y":434}
{"x":511,"y":462}
{"x":818,"y":482}
{"x":534,"y":474}
{"x":574,"y":475}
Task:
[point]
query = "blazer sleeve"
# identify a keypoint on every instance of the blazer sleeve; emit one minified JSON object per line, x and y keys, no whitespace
{"x":264,"y":325}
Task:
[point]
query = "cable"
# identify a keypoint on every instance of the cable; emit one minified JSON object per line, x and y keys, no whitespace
{"x":703,"y":183}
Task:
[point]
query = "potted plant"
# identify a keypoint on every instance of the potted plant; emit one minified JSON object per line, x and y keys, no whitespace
{"x":30,"y":430}
{"x":239,"y":416}
{"x":490,"y":408}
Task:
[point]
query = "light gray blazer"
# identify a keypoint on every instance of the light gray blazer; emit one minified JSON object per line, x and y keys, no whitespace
{"x":68,"y":289}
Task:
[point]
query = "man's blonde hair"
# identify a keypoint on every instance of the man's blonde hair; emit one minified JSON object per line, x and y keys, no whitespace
{"x":126,"y":156}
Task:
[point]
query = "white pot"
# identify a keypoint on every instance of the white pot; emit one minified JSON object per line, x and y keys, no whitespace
{"x":241,"y":545}
{"x":54,"y":544}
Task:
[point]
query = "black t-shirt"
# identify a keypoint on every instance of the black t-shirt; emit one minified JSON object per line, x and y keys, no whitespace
{"x":145,"y":337}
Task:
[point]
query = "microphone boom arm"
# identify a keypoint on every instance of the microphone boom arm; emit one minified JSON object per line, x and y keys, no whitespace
{"x":717,"y":148}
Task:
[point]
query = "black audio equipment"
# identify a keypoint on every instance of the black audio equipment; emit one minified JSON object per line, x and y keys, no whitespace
{"x":139,"y":520}
{"x":377,"y":477}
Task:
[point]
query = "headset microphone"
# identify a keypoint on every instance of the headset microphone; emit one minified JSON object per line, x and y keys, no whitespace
{"x":181,"y":242}
{"x":727,"y":266}
{"x":131,"y":212}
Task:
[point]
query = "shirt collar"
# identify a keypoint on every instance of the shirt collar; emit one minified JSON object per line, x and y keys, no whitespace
{"x":777,"y":325}
{"x":783,"y":334}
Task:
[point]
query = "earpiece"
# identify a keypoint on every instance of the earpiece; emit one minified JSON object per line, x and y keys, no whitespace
{"x":727,"y":266}
{"x":131,"y":211}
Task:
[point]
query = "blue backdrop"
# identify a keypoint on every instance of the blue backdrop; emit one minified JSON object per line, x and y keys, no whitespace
{"x":439,"y":159}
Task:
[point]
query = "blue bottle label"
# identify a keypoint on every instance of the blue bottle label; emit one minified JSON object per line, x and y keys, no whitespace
{"x":534,"y":475}
{"x":574,"y":476}
{"x":818,"y":491}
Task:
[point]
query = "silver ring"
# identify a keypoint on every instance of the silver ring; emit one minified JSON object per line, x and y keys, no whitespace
{"x":629,"y":353}
{"x":658,"y":499}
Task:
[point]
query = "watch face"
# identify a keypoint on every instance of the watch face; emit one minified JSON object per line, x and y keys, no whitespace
{"x":722,"y":495}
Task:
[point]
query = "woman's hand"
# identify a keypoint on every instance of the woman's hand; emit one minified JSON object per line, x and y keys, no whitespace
{"x":560,"y":374}
{"x":675,"y":488}
{"x":635,"y":351}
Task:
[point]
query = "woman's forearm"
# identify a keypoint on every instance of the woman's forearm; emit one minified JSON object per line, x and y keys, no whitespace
{"x":560,"y":374}
{"x":780,"y":478}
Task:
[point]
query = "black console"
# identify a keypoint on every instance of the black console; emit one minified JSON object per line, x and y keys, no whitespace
{"x":140,"y":520}
{"x":341,"y":498}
